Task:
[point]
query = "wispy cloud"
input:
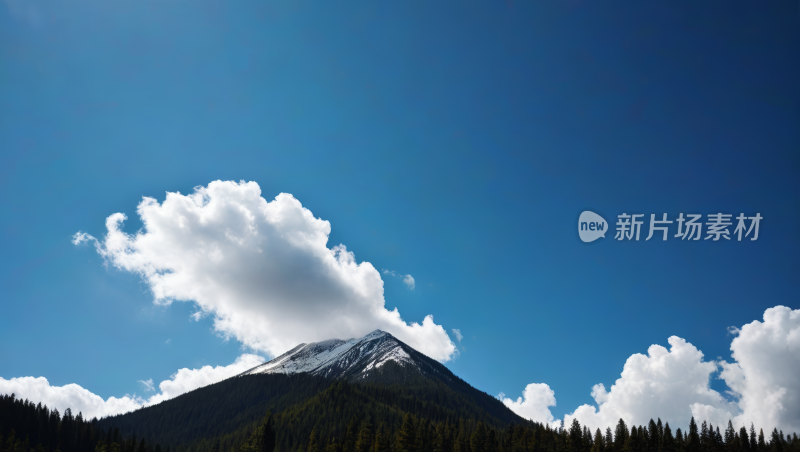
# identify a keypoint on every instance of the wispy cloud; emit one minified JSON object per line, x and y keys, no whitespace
{"x":407,"y":279}
{"x":458,"y":334}
{"x":148,"y":385}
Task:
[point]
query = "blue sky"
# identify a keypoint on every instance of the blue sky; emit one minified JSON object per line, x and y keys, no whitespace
{"x":454,"y":141}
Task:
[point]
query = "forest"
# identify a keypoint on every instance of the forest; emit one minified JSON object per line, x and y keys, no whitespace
{"x":346,"y":417}
{"x":29,"y":427}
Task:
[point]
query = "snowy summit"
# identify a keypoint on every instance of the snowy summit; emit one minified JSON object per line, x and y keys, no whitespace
{"x":336,"y":358}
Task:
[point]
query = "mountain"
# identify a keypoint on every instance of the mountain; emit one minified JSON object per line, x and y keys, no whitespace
{"x":353,"y":359}
{"x":323,"y":387}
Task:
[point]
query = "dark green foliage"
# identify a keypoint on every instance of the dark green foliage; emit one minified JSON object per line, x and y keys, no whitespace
{"x":29,"y":427}
{"x":218,"y":409}
{"x":313,"y":414}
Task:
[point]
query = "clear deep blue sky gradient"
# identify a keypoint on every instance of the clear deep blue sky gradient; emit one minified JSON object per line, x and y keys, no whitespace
{"x":455,"y":141}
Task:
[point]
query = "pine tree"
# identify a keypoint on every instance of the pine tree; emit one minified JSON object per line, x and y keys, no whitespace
{"x":598,"y":445}
{"x":575,"y":437}
{"x":349,"y":443}
{"x":313,"y":441}
{"x":609,"y":440}
{"x":730,"y":435}
{"x":680,"y":442}
{"x":407,"y":434}
{"x":620,"y":436}
{"x":653,"y":437}
{"x":753,"y":439}
{"x":478,"y":439}
{"x":776,"y":443}
{"x":491,"y":441}
{"x":366,"y":436}
{"x":762,"y":445}
{"x":382,"y":441}
{"x":744,"y":440}
{"x":268,"y":434}
{"x":693,"y":444}
{"x":667,"y":441}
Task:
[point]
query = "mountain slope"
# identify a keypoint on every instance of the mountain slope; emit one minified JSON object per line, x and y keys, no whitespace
{"x":320,"y":385}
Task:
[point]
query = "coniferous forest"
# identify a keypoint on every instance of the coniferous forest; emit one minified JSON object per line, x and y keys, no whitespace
{"x":26,"y":426}
{"x":302,"y":413}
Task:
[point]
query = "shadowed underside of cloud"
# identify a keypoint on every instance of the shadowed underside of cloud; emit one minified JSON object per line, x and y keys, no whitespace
{"x":81,"y":400}
{"x":262,"y":269}
{"x":674,"y":384}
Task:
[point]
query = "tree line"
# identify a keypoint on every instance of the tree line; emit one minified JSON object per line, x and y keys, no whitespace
{"x":366,"y":432}
{"x":29,"y":427}
{"x":314,"y":415}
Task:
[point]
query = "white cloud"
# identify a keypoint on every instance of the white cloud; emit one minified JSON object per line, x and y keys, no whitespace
{"x":91,"y":405}
{"x":262,"y":269}
{"x":664,"y":383}
{"x":534,"y":403}
{"x":765,"y":373}
{"x":458,"y":334}
{"x":148,"y":385}
{"x":409,"y":281}
{"x":674,"y":384}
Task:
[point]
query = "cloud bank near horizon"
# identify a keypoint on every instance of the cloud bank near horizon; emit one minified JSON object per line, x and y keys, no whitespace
{"x":262,"y":269}
{"x":81,"y":400}
{"x":674,"y":384}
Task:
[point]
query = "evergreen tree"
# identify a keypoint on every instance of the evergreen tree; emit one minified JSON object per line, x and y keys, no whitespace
{"x":705,"y":438}
{"x":762,"y":445}
{"x":491,"y":441}
{"x":693,"y":443}
{"x":621,"y":436}
{"x":349,"y":443}
{"x":366,"y":436}
{"x":598,"y":445}
{"x":776,"y":443}
{"x":753,"y":439}
{"x":382,"y":441}
{"x":407,"y":435}
{"x":744,"y":440}
{"x":730,"y":436}
{"x":479,"y":438}
{"x":313,"y":441}
{"x":680,"y":442}
{"x":652,"y":436}
{"x":268,"y":435}
{"x":442,"y":442}
{"x":575,"y":437}
{"x":609,"y":440}
{"x":667,"y":440}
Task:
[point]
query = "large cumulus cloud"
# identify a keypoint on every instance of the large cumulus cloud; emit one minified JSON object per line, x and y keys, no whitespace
{"x":664,"y":383}
{"x":764,"y":374}
{"x":262,"y":269}
{"x":81,"y":400}
{"x":673,"y":383}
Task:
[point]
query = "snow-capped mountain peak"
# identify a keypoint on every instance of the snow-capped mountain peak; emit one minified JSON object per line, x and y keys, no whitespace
{"x":336,"y":358}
